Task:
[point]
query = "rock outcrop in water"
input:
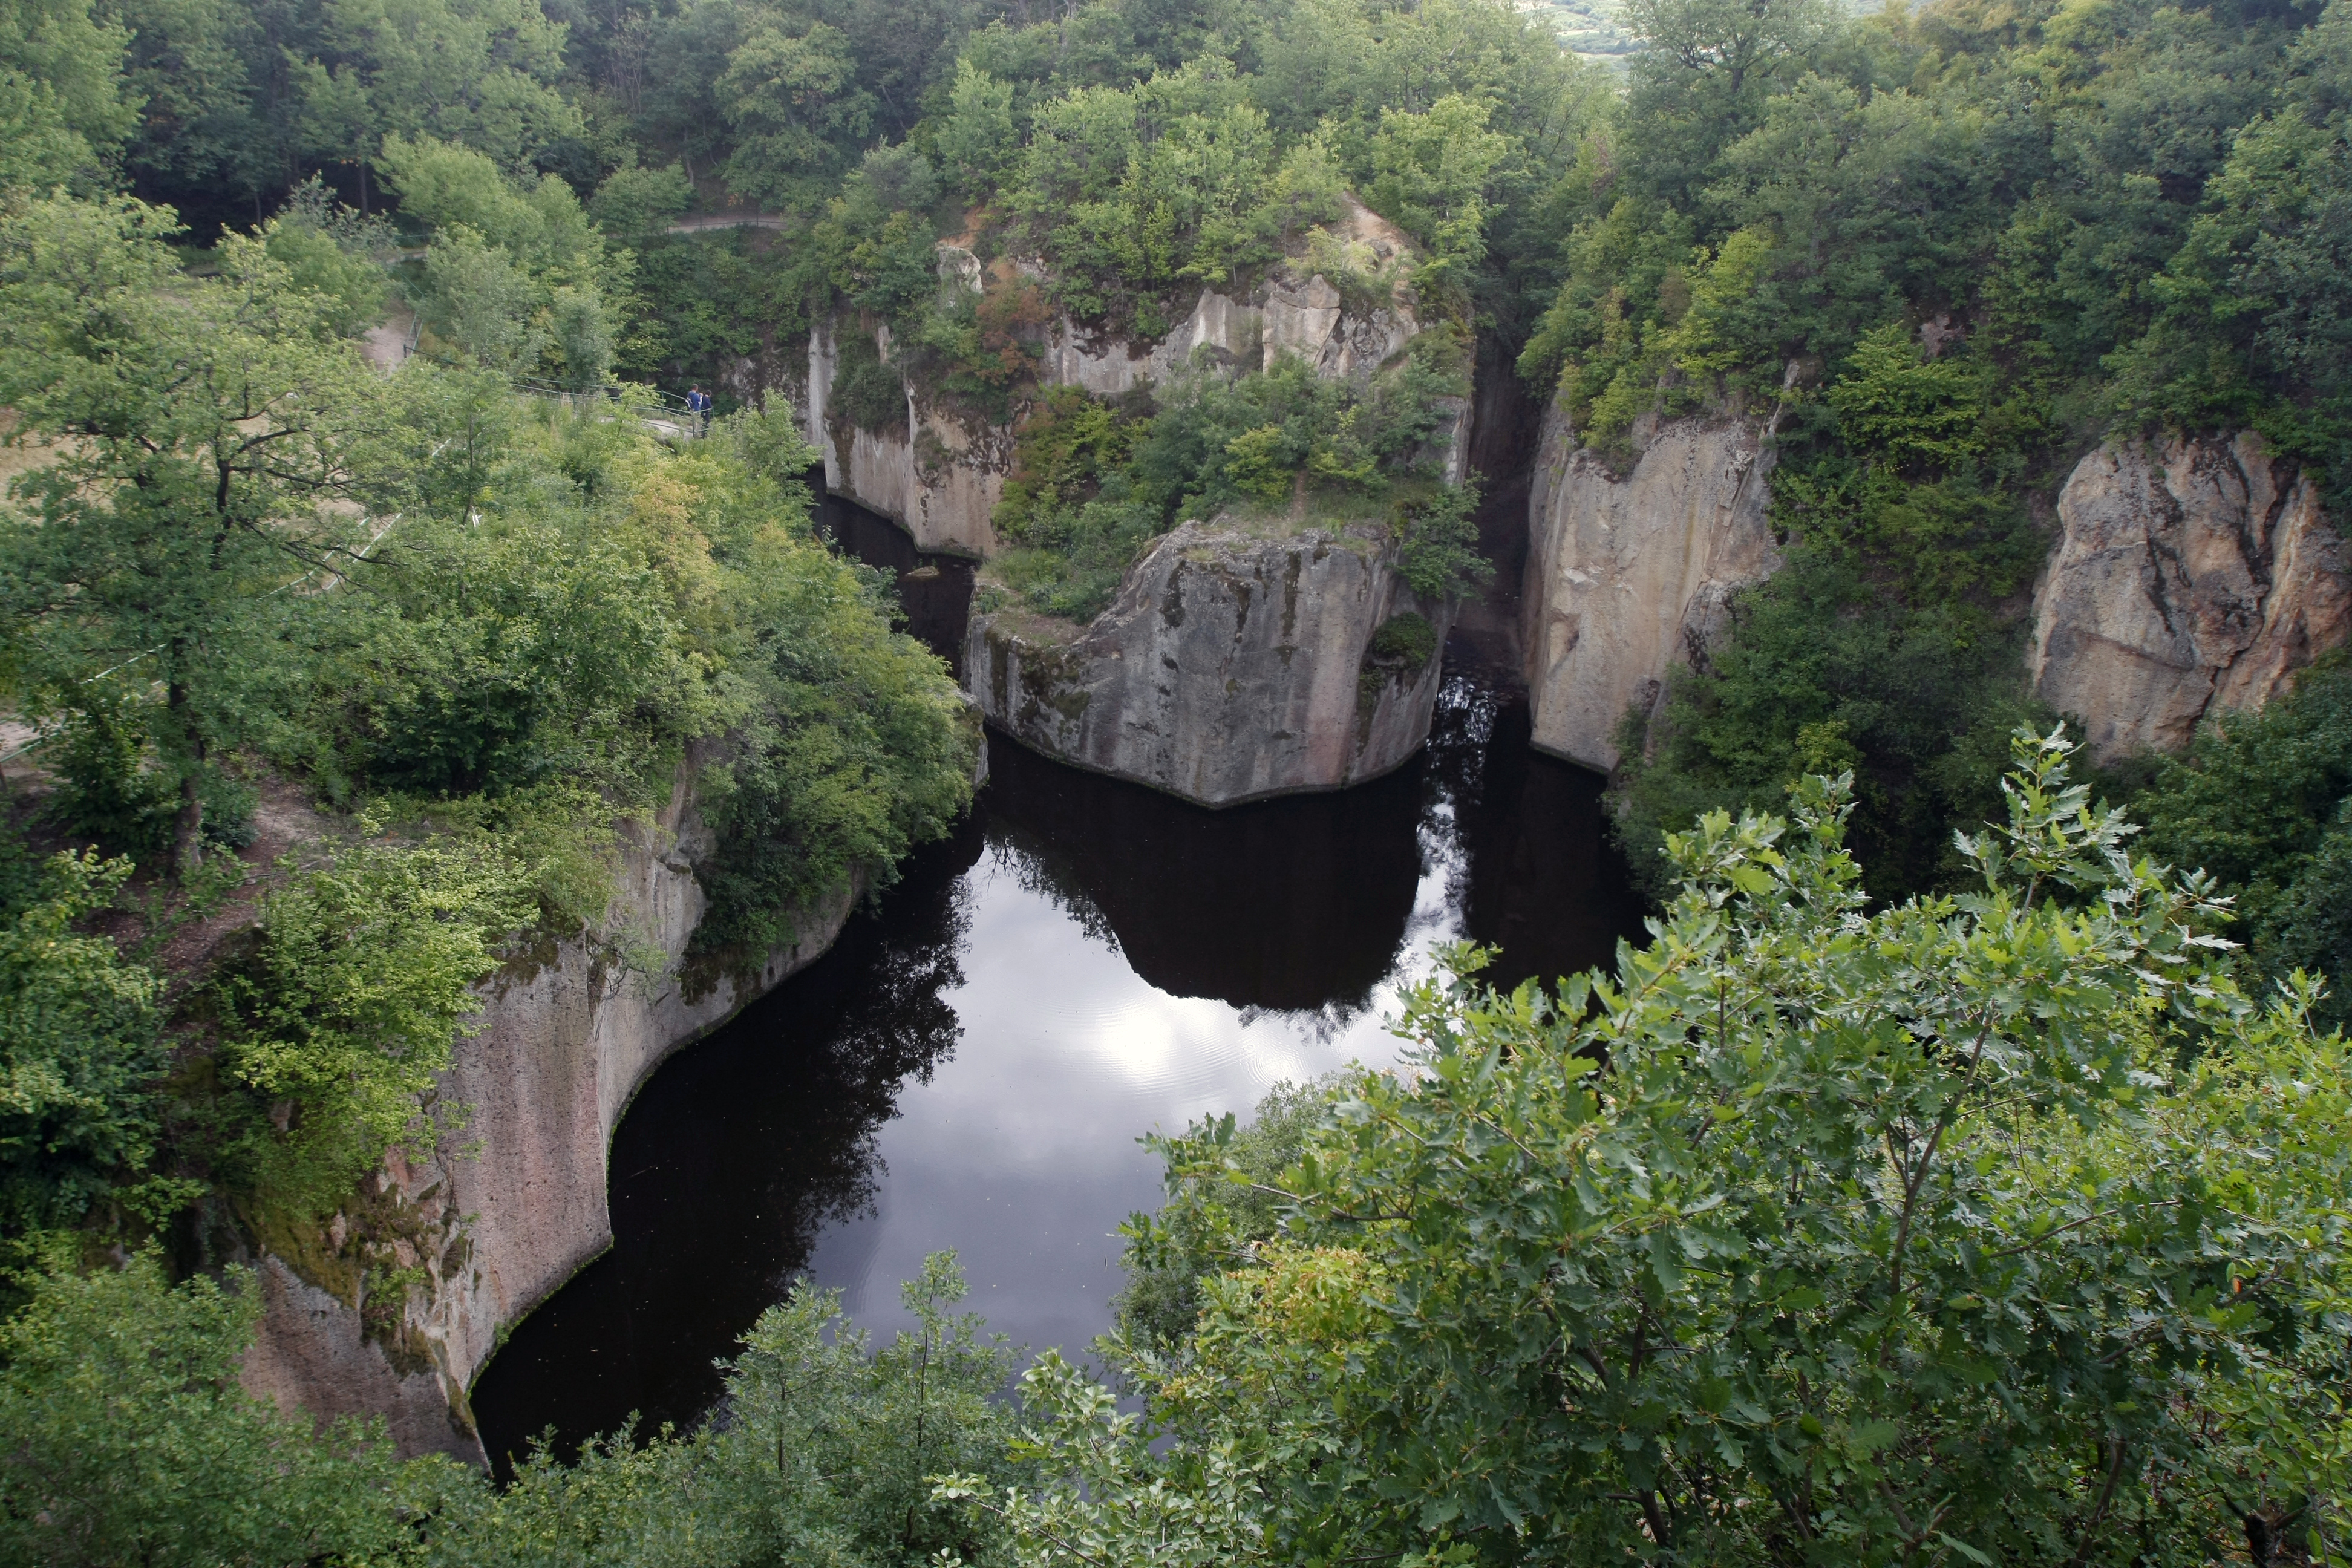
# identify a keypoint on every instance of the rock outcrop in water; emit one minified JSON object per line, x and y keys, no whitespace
{"x":1238,"y":661}
{"x":1628,"y":577}
{"x":567,"y":1037}
{"x":2191,"y":576}
{"x":941,"y":476}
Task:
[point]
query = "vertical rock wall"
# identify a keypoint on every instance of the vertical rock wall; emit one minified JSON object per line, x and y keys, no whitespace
{"x":2191,"y":576}
{"x":566,"y":1039}
{"x":1627,"y":577}
{"x":940,"y":481}
{"x":1234,"y":664}
{"x":941,"y":478}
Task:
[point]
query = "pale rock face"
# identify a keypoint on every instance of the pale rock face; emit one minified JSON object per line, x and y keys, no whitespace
{"x":943,"y":481}
{"x":1628,"y":577}
{"x":1232,"y":667}
{"x":942,"y":486}
{"x":565,"y":1043}
{"x":2191,"y":576}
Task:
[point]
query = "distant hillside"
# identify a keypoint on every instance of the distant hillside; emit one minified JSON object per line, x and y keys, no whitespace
{"x":1589,"y":27}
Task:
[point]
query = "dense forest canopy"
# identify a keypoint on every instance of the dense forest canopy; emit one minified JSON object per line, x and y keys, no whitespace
{"x":1966,"y":1198}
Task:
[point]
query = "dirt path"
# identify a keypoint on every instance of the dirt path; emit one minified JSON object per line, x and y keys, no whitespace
{"x":702,"y":223}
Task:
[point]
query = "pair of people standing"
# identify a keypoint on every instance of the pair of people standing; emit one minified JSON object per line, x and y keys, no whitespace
{"x":697,"y":403}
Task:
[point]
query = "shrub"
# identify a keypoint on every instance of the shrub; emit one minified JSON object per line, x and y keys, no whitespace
{"x":81,"y":1050}
{"x":126,"y":1436}
{"x":867,"y":393}
{"x":2263,"y":801}
{"x":335,"y":1024}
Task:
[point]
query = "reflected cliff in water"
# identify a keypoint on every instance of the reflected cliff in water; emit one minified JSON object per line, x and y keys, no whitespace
{"x":1284,"y":904}
{"x":934,"y":590}
{"x":1085,"y":962}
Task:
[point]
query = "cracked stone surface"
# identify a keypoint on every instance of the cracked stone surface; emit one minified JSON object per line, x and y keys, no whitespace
{"x":1235,"y":664}
{"x":1628,"y":577}
{"x":2191,"y":577}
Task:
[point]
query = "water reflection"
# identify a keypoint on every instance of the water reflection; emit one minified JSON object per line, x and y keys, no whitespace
{"x":934,"y":590}
{"x":1288,"y":904}
{"x":1086,"y":960}
{"x":1540,"y":880}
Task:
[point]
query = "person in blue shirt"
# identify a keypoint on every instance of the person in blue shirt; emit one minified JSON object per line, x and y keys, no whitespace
{"x":697,"y":403}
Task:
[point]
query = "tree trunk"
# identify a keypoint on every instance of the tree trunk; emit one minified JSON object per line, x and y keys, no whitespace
{"x":188,"y":838}
{"x":188,"y":834}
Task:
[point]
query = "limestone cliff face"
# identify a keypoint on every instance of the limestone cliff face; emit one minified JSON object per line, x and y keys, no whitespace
{"x":1236,"y":663}
{"x":1628,"y":577}
{"x":941,"y":478}
{"x":2190,"y":576}
{"x":566,"y":1039}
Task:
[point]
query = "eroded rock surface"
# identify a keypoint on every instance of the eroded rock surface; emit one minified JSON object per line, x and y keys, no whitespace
{"x":1627,"y":577}
{"x":1236,"y":663}
{"x":936,"y":478}
{"x":941,"y":477}
{"x":2191,"y":576}
{"x":567,"y":1038}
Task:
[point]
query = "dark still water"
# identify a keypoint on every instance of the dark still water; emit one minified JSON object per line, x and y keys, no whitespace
{"x":971,"y":1066}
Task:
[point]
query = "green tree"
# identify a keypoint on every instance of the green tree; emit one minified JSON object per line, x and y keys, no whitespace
{"x":126,"y":1436}
{"x":205,"y":430}
{"x":838,"y":1441}
{"x":64,"y":112}
{"x":978,"y":139}
{"x":190,"y":72}
{"x":789,"y":93}
{"x":516,"y":279}
{"x":631,"y":201}
{"x":1702,"y":80}
{"x":2260,"y":800}
{"x":1430,"y":172}
{"x":481,"y":73}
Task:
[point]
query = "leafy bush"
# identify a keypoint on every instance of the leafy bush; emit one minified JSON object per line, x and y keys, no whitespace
{"x":359,"y":980}
{"x":1889,"y":642}
{"x":1169,"y":1256}
{"x":81,"y":1050}
{"x":126,"y":1436}
{"x":866,"y":393}
{"x":860,"y":752}
{"x":1439,"y":555}
{"x":1093,"y":481}
{"x":1820,"y":672}
{"x":2263,"y":801}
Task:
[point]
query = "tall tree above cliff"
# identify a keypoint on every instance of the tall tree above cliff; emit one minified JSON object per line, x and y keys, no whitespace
{"x":190,"y":441}
{"x":479,"y":72}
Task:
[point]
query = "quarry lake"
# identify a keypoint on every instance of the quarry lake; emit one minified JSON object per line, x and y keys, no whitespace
{"x":971,"y":1067}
